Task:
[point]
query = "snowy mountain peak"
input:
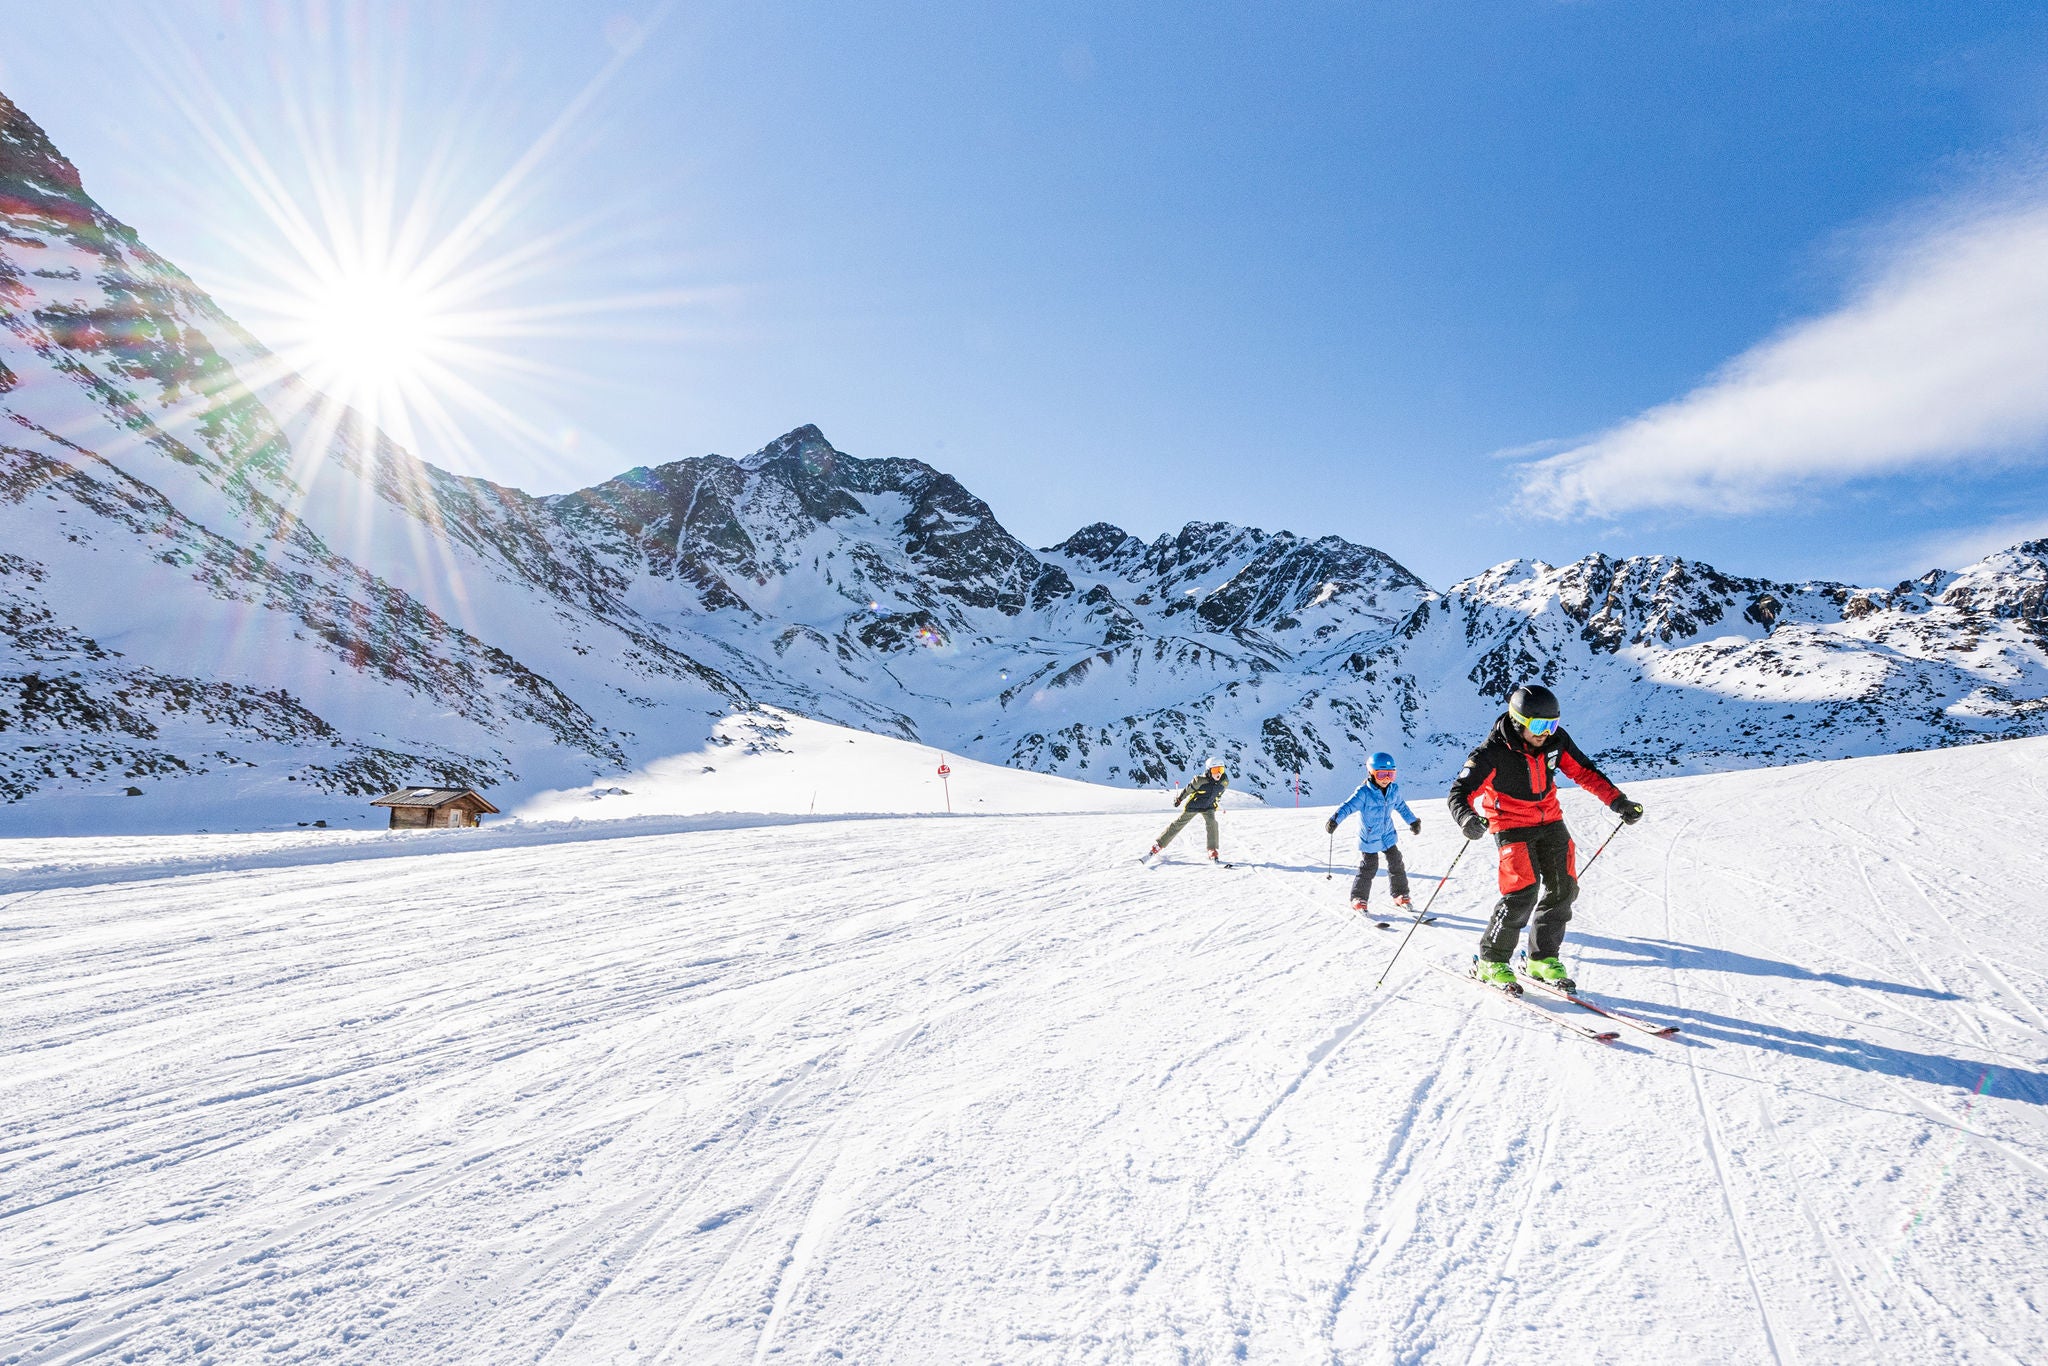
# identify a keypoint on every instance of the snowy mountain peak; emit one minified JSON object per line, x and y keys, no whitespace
{"x":38,"y":179}
{"x":2009,"y":583}
{"x":1101,"y":547}
{"x":307,"y":615}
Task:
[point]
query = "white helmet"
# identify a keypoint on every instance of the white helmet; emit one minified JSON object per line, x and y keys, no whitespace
{"x":1215,"y":761}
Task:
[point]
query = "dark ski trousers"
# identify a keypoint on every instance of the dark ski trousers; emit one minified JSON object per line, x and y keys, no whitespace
{"x":1180,"y":823}
{"x":1536,"y":854}
{"x":1369,"y":867}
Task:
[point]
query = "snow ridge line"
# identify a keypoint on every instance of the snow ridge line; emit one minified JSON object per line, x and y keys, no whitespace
{"x":1318,"y":1055}
{"x":431,"y":843}
{"x":1398,"y":1163}
{"x":1852,"y":1291}
{"x":790,"y":1270}
{"x":1504,"y":1278}
{"x":119,"y":1308}
{"x":1933,"y":905}
{"x":795,"y":1261}
{"x":1710,"y":1129}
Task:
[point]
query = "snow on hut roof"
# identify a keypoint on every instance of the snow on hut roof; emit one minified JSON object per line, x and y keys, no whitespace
{"x":432,"y":797}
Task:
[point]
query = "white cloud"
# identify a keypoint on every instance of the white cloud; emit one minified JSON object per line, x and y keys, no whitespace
{"x":1940,"y":355}
{"x":1958,"y":548}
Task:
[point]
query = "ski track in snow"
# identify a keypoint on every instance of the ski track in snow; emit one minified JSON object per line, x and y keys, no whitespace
{"x":913,"y":1090}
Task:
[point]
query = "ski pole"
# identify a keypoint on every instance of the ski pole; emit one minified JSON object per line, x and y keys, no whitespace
{"x":1425,"y":912}
{"x":1330,"y":859}
{"x":1601,"y":850}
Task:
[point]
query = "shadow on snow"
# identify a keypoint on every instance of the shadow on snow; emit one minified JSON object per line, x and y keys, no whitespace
{"x":1707,"y":1026}
{"x":1699,"y":958}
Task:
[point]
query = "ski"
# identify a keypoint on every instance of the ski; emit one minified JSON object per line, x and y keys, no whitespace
{"x":1388,"y":924}
{"x":1618,"y":1016}
{"x":1584,"y":1031}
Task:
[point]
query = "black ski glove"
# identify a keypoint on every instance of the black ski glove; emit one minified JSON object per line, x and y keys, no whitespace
{"x":1330,"y":826}
{"x":1474,"y":827}
{"x":1415,"y":827}
{"x":1630,"y":812}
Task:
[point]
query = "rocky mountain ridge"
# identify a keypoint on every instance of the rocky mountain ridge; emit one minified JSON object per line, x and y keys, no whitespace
{"x":222,"y":593}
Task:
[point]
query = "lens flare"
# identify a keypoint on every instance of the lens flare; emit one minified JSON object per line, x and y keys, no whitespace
{"x":368,"y":333}
{"x":426,"y":282}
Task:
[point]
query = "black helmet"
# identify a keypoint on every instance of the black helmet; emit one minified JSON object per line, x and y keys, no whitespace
{"x":1534,"y":703}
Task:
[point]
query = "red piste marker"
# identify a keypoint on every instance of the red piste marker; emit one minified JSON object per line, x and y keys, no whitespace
{"x":944,"y":773}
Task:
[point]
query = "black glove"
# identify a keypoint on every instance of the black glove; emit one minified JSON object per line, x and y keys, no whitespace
{"x":1474,"y":827}
{"x":1415,"y":827}
{"x":1630,"y":812}
{"x":1330,"y":826}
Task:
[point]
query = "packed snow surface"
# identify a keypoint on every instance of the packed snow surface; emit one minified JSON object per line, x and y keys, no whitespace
{"x":986,"y":1089}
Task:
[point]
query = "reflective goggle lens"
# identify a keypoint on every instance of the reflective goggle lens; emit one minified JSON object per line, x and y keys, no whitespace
{"x":1383,"y":774}
{"x":1539,"y":726}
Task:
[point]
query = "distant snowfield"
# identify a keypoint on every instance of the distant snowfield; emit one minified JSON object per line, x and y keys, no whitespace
{"x":765,"y":767}
{"x":888,"y":1090}
{"x":775,"y":761}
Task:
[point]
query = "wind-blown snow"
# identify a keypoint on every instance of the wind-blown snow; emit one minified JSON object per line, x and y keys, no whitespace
{"x":986,"y":1089}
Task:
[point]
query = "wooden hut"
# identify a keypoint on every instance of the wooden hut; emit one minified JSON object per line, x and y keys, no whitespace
{"x":434,"y":808}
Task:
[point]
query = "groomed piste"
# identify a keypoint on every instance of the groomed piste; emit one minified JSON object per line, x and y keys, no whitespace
{"x":700,"y":1085}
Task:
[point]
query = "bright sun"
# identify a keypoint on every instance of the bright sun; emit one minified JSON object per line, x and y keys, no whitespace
{"x":419,"y":295}
{"x":370,"y":334}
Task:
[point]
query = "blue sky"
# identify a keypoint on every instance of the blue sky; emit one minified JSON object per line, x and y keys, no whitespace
{"x":1747,"y":283}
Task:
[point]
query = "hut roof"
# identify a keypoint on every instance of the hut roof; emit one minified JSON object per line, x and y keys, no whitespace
{"x":432,"y":797}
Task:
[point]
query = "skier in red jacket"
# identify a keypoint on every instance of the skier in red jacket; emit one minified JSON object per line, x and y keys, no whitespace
{"x":1512,"y":779}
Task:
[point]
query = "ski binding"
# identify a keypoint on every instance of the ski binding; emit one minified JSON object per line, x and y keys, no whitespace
{"x":1578,"y":998}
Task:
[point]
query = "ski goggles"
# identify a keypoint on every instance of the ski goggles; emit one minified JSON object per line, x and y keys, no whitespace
{"x":1539,"y":727}
{"x":1384,"y":775}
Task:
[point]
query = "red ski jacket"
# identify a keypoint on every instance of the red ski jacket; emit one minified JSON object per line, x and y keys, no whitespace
{"x":1514,"y":786}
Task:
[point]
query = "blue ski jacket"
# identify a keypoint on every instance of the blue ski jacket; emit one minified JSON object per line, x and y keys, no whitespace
{"x":1375,"y":807}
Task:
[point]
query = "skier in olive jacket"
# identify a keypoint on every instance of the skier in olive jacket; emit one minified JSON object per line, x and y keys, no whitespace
{"x":1377,"y":800}
{"x":1512,"y":779}
{"x":1199,"y":798}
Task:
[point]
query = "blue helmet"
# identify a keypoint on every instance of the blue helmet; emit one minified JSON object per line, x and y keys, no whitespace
{"x":1381,"y":762}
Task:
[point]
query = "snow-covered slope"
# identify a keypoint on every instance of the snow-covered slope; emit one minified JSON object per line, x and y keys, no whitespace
{"x":220,"y":595}
{"x":225,"y":603}
{"x":984,"y":1089}
{"x":770,"y":761}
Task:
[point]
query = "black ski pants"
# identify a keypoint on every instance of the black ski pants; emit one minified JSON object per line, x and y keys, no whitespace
{"x":1369,"y":867}
{"x":1537,"y":854}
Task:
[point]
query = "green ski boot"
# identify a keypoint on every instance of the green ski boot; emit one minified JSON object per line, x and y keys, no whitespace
{"x":1495,"y":975}
{"x":1552,"y":970}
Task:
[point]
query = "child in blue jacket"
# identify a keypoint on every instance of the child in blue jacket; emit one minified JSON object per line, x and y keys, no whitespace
{"x":1376,"y":801}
